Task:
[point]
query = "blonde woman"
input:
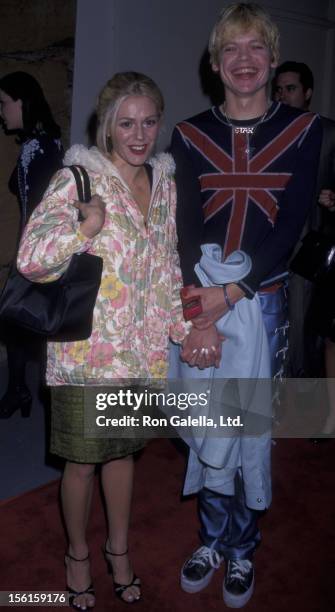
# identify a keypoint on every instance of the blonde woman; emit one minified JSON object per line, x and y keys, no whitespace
{"x":130,"y":222}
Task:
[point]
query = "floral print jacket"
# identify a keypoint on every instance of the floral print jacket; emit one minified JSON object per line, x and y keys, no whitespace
{"x":138,"y":305}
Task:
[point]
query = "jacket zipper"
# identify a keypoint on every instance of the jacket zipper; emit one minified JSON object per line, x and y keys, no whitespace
{"x":145,"y":299}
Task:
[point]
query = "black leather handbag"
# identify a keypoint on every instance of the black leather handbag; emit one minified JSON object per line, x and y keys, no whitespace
{"x":61,"y":309}
{"x":315,"y":260}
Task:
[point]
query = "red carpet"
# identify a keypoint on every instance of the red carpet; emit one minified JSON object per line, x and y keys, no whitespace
{"x":295,"y":565}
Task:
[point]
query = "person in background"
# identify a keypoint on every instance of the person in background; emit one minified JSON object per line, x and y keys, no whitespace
{"x":24,"y":111}
{"x":293,"y":84}
{"x":245,"y":178}
{"x":327,"y":201}
{"x":130,"y":223}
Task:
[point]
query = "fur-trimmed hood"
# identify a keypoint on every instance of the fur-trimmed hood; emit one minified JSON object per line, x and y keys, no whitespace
{"x":92,"y":159}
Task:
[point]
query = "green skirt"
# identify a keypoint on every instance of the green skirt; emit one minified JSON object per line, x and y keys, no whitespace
{"x":67,"y":431}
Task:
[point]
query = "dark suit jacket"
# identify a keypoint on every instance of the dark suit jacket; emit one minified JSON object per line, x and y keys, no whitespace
{"x":326,"y":173}
{"x":305,"y":348}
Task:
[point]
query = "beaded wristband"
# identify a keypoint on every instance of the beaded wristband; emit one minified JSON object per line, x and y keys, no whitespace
{"x":227,"y":300}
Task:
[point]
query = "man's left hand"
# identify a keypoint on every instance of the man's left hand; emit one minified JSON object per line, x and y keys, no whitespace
{"x":213,"y":303}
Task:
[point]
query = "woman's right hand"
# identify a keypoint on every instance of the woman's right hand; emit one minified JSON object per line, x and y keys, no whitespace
{"x":94,"y":213}
{"x":202,"y":348}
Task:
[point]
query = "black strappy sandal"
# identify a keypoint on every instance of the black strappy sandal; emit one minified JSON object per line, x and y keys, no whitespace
{"x":73,"y":594}
{"x":119,"y":589}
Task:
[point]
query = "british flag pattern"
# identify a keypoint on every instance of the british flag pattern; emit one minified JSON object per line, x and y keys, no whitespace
{"x":255,"y":190}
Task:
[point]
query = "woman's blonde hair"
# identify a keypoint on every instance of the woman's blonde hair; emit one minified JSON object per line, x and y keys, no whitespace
{"x":242,"y":15}
{"x":117,"y":89}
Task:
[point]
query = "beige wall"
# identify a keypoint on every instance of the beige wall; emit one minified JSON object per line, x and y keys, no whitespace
{"x":31,"y":34}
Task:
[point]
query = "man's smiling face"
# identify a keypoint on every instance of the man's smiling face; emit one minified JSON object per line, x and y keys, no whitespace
{"x":245,"y":62}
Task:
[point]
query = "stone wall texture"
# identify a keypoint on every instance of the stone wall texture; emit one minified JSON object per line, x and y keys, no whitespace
{"x":37,"y":37}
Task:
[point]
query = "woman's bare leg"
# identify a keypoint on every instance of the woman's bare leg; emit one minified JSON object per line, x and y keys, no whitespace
{"x":117,"y":482}
{"x":76,"y":494}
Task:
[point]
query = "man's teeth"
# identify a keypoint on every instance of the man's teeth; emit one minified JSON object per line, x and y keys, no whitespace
{"x":245,"y":71}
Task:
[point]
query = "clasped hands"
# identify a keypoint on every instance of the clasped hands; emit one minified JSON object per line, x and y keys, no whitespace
{"x":202,"y":347}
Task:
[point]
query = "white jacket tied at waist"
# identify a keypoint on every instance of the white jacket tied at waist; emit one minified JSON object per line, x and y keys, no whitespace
{"x":241,"y":384}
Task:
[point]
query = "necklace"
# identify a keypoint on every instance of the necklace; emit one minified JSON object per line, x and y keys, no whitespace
{"x":249,"y":130}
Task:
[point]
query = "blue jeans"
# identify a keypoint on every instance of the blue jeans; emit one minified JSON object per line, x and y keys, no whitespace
{"x":227,"y":524}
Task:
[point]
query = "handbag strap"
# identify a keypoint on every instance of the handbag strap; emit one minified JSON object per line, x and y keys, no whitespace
{"x":82,"y":181}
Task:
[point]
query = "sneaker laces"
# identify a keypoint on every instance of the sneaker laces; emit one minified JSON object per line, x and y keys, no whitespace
{"x":205,"y":555}
{"x":239,"y":569}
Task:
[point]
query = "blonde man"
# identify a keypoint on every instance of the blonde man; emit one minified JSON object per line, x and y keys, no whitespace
{"x":245,"y":179}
